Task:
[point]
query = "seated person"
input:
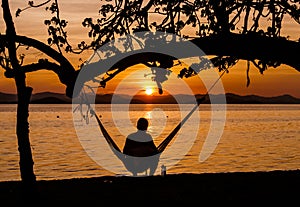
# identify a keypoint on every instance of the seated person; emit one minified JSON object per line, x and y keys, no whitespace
{"x":141,"y":150}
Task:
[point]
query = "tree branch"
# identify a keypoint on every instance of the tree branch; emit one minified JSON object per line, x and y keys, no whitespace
{"x":252,"y":46}
{"x":42,"y":64}
{"x":67,"y":73}
{"x":241,"y":46}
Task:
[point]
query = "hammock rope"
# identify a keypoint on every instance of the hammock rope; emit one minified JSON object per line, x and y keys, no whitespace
{"x":106,"y":135}
{"x":163,"y":145}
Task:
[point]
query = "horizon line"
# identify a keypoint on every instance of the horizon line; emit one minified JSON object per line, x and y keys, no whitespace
{"x":264,"y":96}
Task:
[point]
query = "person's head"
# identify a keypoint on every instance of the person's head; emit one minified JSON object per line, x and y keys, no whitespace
{"x":142,"y":124}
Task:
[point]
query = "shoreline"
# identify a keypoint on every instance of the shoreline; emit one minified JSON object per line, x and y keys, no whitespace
{"x":232,"y":188}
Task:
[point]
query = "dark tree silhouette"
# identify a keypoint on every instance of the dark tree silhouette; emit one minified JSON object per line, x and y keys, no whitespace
{"x":228,"y":30}
{"x":12,"y":64}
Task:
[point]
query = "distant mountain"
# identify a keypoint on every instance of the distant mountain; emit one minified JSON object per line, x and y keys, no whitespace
{"x":50,"y":98}
{"x":253,"y":99}
{"x":230,"y":99}
{"x":8,"y":98}
{"x":38,"y":98}
{"x":57,"y":98}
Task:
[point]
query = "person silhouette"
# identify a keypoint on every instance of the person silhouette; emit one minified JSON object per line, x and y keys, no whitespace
{"x":141,"y":150}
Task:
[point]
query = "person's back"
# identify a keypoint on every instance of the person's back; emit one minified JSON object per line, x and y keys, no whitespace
{"x":140,"y":146}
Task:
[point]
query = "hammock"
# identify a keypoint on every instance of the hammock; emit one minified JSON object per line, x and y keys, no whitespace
{"x":160,"y":148}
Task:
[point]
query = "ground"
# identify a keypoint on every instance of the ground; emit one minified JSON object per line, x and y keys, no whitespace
{"x":208,"y":189}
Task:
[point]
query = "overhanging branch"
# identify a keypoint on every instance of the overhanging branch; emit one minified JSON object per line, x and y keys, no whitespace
{"x":241,"y":46}
{"x":248,"y":47}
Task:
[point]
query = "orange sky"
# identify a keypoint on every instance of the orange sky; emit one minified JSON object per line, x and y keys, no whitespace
{"x":282,"y":80}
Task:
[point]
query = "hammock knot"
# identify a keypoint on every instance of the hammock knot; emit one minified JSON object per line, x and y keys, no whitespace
{"x":200,"y":100}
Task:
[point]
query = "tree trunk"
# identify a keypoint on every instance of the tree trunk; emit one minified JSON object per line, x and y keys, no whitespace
{"x":22,"y":130}
{"x":24,"y":94}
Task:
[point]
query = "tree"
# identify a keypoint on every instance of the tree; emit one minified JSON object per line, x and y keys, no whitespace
{"x":228,"y":30}
{"x":14,"y":69}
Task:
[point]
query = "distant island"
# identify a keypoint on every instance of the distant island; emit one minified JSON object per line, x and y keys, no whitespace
{"x":57,"y":98}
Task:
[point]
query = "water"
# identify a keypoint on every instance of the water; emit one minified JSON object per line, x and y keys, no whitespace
{"x":255,"y":138}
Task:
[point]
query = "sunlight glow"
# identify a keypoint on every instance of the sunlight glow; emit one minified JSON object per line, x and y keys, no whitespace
{"x":149,"y":91}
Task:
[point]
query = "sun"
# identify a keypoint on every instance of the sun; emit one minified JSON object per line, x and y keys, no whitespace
{"x":149,"y":91}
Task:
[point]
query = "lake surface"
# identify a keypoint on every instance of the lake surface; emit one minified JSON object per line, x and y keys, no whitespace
{"x":255,"y":138}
